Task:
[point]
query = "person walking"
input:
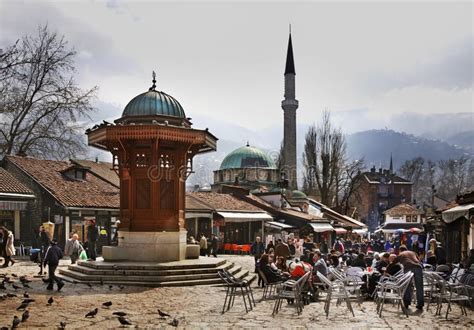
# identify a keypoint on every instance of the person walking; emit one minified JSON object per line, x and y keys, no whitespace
{"x":8,"y":248}
{"x":411,"y":263}
{"x":92,"y":238}
{"x":257,"y":250}
{"x":44,"y":241}
{"x":51,"y":259}
{"x":203,"y":245}
{"x":214,"y":246}
{"x":73,"y":248}
{"x":282,"y":249}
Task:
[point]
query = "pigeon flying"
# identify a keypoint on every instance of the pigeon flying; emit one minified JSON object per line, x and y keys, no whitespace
{"x":107,"y":304}
{"x":25,"y":316}
{"x":92,"y":313}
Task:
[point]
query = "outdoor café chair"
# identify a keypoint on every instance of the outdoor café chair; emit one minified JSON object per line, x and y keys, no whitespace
{"x":335,"y":290}
{"x":232,"y":290}
{"x":393,"y":290}
{"x":269,"y":289}
{"x":291,"y":289}
{"x":245,"y":283}
{"x":449,"y":292}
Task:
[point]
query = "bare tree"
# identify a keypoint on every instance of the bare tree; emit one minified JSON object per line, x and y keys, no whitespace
{"x":453,"y":177}
{"x":323,"y":160}
{"x":41,"y":104}
{"x":351,"y":181}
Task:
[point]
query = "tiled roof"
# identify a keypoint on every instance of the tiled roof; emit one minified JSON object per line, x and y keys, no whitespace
{"x":9,"y":184}
{"x":101,"y":169}
{"x":194,"y":204}
{"x":90,"y":193}
{"x":403,"y":209}
{"x":378,"y":177}
{"x":224,"y":202}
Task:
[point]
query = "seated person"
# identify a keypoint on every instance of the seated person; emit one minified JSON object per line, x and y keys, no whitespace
{"x":394,"y":266}
{"x":359,"y":261}
{"x":281,"y":263}
{"x":272,"y":275}
{"x":319,"y":265}
{"x":383,"y":263}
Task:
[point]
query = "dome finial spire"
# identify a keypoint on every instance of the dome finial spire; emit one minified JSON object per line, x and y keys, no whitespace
{"x":248,"y":144}
{"x":152,"y":88}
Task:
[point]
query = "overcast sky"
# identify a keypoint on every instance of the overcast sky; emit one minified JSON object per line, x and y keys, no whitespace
{"x":225,"y":61}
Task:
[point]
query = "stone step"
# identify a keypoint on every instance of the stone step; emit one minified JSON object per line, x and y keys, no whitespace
{"x":143,"y":278}
{"x":202,"y":262}
{"x":140,"y":272}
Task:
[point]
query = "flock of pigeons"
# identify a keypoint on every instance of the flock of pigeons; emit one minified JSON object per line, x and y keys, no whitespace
{"x":24,"y":281}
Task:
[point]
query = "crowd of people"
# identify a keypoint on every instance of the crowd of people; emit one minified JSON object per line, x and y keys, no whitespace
{"x":283,"y":260}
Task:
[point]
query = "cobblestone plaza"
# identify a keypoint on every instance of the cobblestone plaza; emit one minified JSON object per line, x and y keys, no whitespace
{"x":194,"y":307}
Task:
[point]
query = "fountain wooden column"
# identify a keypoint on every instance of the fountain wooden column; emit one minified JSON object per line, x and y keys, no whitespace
{"x":153,"y":146}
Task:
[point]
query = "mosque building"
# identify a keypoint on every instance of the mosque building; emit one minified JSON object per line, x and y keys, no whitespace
{"x":251,"y":167}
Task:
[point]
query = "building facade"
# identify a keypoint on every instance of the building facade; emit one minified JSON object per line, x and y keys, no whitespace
{"x":379,"y":191}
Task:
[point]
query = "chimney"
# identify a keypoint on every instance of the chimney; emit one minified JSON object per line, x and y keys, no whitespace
{"x":380,"y":170}
{"x":372,"y":169}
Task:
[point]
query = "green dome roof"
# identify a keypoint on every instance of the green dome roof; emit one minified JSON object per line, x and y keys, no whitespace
{"x":298,"y":194}
{"x":153,"y":103}
{"x":247,"y":157}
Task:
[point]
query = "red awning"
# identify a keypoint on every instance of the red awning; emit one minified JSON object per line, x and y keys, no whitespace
{"x":340,"y":230}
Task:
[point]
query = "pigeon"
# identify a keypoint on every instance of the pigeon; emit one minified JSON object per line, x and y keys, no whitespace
{"x":89,"y":285}
{"x":101,"y":282}
{"x":174,"y":323}
{"x":62,"y":324}
{"x":110,"y":287}
{"x":14,"y":275}
{"x":22,"y":306}
{"x":26,"y":295}
{"x":16,"y":322}
{"x":121,"y":287}
{"x":124,"y":321}
{"x":28,"y":301}
{"x":120,"y":313}
{"x":25,"y":316}
{"x":2,"y":286}
{"x":50,"y":301}
{"x":26,"y":286}
{"x":107,"y":304}
{"x":11,"y":295}
{"x":163,"y":314}
{"x":92,"y":313}
{"x":16,"y":287}
{"x":23,"y":279}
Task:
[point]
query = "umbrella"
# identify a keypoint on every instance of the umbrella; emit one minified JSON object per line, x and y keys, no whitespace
{"x":415,"y":230}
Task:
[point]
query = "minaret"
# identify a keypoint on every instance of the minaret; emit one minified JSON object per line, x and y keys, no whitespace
{"x":289,"y":105}
{"x":391,"y":164}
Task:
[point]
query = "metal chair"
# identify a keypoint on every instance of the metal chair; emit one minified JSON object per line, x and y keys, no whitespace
{"x":269,"y":289}
{"x":335,"y":290}
{"x":232,"y":290}
{"x":291,"y":289}
{"x":243,"y":282}
{"x":394,"y":290}
{"x":450,"y":292}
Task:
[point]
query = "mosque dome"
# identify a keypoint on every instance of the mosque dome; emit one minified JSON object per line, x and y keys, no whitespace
{"x":298,"y":194}
{"x":154,"y":103}
{"x":247,"y":156}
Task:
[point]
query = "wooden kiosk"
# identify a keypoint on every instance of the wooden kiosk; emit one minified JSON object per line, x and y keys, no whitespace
{"x":153,"y":146}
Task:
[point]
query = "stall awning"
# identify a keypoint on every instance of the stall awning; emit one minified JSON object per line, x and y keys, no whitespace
{"x":340,"y":230}
{"x":321,"y":227}
{"x":360,"y":231}
{"x":13,"y":205}
{"x":190,"y":215}
{"x":405,"y":227}
{"x":457,"y":212}
{"x":278,"y":225}
{"x":245,"y":217}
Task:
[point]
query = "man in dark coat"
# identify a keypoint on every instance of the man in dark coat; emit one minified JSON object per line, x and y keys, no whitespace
{"x":44,"y":241}
{"x":92,"y":238}
{"x":52,"y":257}
{"x":257,"y":249}
{"x":214,"y":246}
